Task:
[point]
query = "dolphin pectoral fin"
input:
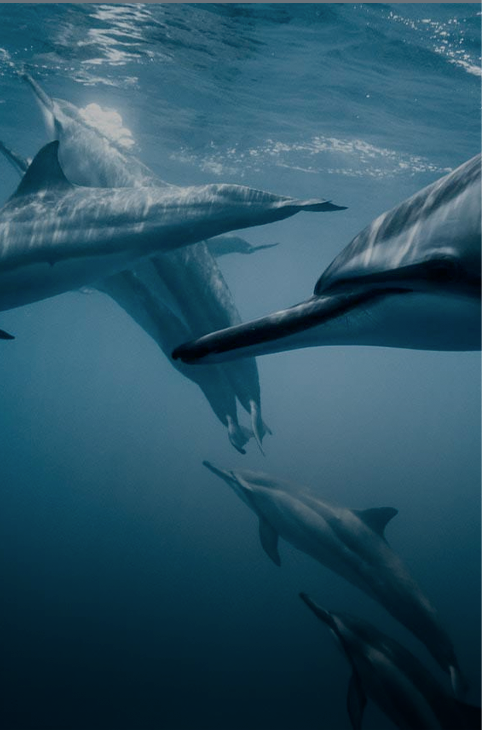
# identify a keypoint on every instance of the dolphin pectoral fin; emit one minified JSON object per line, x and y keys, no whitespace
{"x":376,"y":518}
{"x":5,"y":336}
{"x":356,"y":701}
{"x":269,"y":540}
{"x":458,"y":681}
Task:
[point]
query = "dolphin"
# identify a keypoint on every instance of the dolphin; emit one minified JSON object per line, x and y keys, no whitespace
{"x":130,"y":289}
{"x":146,"y":307}
{"x":393,"y":678}
{"x":222,"y":245}
{"x":56,"y":236}
{"x":411,"y":279}
{"x":194,"y":284}
{"x":351,"y":543}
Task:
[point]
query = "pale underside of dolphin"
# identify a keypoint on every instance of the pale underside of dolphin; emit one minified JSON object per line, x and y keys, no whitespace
{"x":351,"y":543}
{"x":411,"y":279}
{"x":194,"y":284}
{"x":384,"y":671}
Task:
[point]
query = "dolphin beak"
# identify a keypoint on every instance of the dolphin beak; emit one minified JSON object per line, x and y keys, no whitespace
{"x":275,"y":332}
{"x":320,"y":612}
{"x":222,"y":473}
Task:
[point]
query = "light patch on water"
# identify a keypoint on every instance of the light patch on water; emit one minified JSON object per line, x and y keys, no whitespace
{"x":348,"y":157}
{"x":446,"y":39}
{"x":109,"y":124}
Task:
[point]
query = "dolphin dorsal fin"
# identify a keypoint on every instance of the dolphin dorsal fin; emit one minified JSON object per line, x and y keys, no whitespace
{"x":269,"y":540}
{"x":376,"y":518}
{"x":356,"y":701}
{"x":44,"y":173}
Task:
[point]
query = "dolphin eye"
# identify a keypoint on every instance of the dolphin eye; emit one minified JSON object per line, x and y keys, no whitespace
{"x":443,"y":270}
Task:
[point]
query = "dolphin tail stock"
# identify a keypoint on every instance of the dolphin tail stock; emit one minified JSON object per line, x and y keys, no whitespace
{"x":5,"y":335}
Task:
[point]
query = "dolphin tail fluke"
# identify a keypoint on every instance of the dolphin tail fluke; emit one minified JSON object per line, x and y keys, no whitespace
{"x":238,"y":435}
{"x":458,"y":681}
{"x":5,"y":336}
{"x":319,"y":206}
{"x":260,"y":429}
{"x":262,"y":246}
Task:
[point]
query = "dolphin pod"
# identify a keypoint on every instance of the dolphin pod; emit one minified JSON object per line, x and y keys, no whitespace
{"x":410,"y":279}
{"x":349,"y":542}
{"x":393,"y":678}
{"x":189,"y":281}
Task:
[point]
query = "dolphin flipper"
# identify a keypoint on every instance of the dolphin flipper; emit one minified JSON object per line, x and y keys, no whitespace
{"x":356,"y":701}
{"x":5,"y":336}
{"x":269,"y":540}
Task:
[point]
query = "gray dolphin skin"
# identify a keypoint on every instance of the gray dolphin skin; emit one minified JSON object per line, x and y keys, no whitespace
{"x":190,"y":280}
{"x":349,"y":542}
{"x":393,"y":678}
{"x":411,"y":279}
{"x":55,"y":236}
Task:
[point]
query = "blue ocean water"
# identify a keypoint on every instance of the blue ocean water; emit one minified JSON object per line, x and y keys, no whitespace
{"x":135,"y":592}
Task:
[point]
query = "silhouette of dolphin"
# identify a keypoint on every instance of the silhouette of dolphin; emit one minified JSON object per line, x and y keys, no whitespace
{"x":393,"y":678}
{"x":349,"y":542}
{"x":411,"y":279}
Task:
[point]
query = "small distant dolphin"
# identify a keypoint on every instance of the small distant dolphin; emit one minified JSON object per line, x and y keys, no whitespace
{"x":393,"y":678}
{"x":411,"y":279}
{"x":222,"y":245}
{"x":55,"y":236}
{"x":349,"y":542}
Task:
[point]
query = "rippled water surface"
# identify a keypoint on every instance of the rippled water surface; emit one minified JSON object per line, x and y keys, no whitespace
{"x":135,"y":592}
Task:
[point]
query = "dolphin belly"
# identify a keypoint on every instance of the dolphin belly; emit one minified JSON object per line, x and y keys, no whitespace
{"x":34,"y":282}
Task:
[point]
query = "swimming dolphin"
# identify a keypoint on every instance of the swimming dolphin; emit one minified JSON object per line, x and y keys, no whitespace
{"x":393,"y":678}
{"x":146,"y":307}
{"x":411,"y":279}
{"x":349,"y":542}
{"x":222,"y":245}
{"x":130,"y":290}
{"x":191,"y":278}
{"x":55,"y":236}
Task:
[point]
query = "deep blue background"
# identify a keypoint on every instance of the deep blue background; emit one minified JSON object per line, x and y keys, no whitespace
{"x":135,"y":594}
